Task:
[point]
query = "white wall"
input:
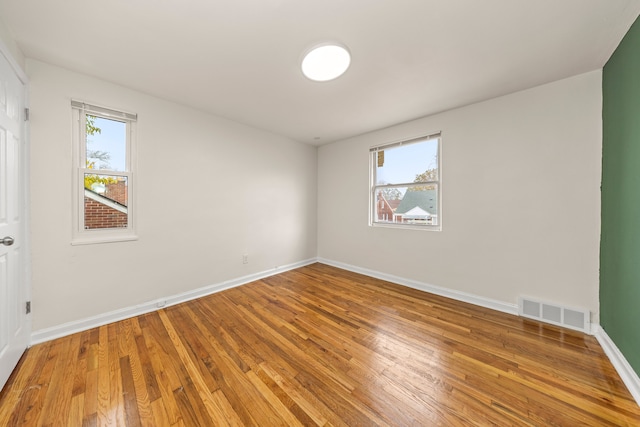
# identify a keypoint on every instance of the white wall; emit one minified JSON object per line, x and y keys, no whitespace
{"x":520,"y":202}
{"x":209,"y":190}
{"x":12,"y":47}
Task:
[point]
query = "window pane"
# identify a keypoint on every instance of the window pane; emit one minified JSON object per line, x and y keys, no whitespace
{"x":106,"y":144}
{"x":106,"y":199}
{"x":416,"y":162}
{"x":407,"y":205}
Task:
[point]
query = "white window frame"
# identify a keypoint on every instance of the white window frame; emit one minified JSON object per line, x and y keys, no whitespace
{"x":80,"y":235}
{"x":373,"y":187}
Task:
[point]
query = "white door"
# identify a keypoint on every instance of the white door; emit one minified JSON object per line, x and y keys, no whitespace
{"x":14,"y":325}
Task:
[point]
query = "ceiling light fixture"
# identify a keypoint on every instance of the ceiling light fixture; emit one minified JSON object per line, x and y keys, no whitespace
{"x":326,"y":62}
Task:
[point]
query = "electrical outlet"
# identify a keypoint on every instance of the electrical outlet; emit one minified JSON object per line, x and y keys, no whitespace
{"x":245,"y":259}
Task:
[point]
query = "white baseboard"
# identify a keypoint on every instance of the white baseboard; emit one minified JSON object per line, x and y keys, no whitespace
{"x":69,"y":328}
{"x":449,"y":293}
{"x":627,"y":373}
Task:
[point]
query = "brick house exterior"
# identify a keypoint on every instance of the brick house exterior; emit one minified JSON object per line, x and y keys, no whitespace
{"x":108,"y":210}
{"x":384,"y":208}
{"x":99,"y":215}
{"x":118,"y":192}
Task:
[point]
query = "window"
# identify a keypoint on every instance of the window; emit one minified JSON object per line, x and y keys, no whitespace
{"x":103,"y":151}
{"x":405,"y":184}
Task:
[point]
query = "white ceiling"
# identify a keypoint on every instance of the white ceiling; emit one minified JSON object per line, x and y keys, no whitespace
{"x":240,"y":58}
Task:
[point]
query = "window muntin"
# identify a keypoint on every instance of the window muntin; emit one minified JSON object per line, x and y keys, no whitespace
{"x":103,"y":174}
{"x":405,"y":183}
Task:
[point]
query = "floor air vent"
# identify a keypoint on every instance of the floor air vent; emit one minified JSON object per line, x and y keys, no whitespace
{"x":571,"y":318}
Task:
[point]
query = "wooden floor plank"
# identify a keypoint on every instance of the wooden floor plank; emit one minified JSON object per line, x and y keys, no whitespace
{"x":104,"y":412}
{"x":116,"y":396}
{"x":76,"y":411}
{"x":319,"y":346}
{"x":131,"y":409}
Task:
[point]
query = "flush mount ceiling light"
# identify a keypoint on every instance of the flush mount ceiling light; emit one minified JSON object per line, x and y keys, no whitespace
{"x":326,"y":62}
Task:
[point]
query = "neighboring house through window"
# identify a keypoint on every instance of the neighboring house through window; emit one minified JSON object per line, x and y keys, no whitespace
{"x":104,"y":151}
{"x":405,"y":183}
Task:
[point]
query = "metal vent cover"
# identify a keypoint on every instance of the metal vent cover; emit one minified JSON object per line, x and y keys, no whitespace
{"x":572,"y":318}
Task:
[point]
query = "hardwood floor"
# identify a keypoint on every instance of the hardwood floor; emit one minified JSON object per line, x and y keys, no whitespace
{"x":319,"y":346}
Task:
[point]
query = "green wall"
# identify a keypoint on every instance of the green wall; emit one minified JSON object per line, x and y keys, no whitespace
{"x":620,"y":241}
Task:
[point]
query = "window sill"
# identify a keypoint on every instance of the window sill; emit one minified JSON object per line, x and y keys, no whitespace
{"x":406,"y":226}
{"x":90,"y":240}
